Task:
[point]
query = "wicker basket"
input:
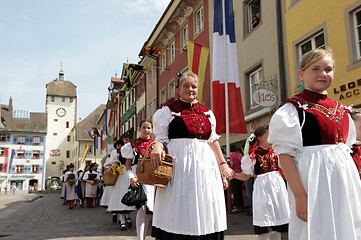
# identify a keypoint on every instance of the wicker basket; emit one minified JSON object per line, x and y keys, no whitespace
{"x":149,"y":174}
{"x":109,"y":179}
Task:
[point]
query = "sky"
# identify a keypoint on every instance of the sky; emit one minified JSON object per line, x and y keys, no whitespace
{"x":93,"y":38}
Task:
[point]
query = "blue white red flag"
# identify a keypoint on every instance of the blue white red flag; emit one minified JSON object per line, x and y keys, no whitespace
{"x":99,"y":140}
{"x":226,"y":45}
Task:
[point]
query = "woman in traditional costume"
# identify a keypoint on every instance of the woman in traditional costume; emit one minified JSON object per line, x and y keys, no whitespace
{"x":70,"y":179}
{"x":91,"y":178}
{"x":192,"y":206}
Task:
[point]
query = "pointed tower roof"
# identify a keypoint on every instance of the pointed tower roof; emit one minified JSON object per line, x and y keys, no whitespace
{"x":60,"y":87}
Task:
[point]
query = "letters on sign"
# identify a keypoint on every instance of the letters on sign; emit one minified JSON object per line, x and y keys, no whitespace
{"x":264,"y":97}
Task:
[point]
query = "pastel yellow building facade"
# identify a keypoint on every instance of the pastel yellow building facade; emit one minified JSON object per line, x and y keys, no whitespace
{"x":331,"y":24}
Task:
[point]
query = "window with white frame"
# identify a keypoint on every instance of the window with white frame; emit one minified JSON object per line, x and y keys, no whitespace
{"x":90,"y":149}
{"x":316,"y":41}
{"x":163,"y":96}
{"x":36,"y":154}
{"x":34,"y":168}
{"x":20,"y":153}
{"x":255,"y":79}
{"x":163,"y":62}
{"x":36,"y":140}
{"x":21,"y":140}
{"x":357,"y":32}
{"x":253,"y":17}
{"x":52,"y":98}
{"x":2,"y":151}
{"x":19,"y":168}
{"x":171,"y":52}
{"x":184,"y":35}
{"x":4,"y":137}
{"x":171,"y":89}
{"x":1,"y":167}
{"x":199,"y":21}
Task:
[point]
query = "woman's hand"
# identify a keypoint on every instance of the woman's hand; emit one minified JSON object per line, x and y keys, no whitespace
{"x":134,"y":182}
{"x":226,"y":171}
{"x":301,"y":207}
{"x":157,"y":154}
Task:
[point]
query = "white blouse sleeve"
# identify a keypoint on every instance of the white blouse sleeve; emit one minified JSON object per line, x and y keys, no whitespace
{"x":161,"y":119}
{"x":351,"y":139}
{"x":86,"y":175}
{"x":127,"y":151}
{"x":212,"y":119}
{"x":247,"y":165}
{"x":112,"y":159}
{"x":285,"y":131}
{"x":66,"y":176}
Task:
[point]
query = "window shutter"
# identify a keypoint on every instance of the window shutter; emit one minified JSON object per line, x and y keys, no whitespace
{"x":15,"y":140}
{"x":42,"y":154}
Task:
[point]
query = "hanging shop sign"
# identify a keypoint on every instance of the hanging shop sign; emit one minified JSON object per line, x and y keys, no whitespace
{"x":348,"y":90}
{"x":264,"y":97}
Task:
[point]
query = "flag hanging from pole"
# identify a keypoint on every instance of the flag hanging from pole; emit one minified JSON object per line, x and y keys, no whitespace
{"x":197,"y":63}
{"x":85,"y":153}
{"x":99,"y":140}
{"x":108,"y":118}
{"x":236,"y":115}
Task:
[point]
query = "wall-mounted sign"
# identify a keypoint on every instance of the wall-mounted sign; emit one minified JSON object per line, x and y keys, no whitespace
{"x":21,"y":176}
{"x":348,"y":90}
{"x":264,"y":97}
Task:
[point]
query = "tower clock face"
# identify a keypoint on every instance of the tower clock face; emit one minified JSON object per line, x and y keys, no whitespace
{"x":60,"y":112}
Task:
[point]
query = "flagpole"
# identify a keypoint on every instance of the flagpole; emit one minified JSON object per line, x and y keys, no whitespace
{"x":226,"y":77}
{"x":229,"y":202}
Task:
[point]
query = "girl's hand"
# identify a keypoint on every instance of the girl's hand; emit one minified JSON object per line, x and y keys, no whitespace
{"x":301,"y":207}
{"x":225,"y":183}
{"x":134,"y":182}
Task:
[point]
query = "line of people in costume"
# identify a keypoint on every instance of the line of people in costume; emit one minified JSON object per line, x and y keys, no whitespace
{"x":307,"y":143}
{"x":82,"y":187}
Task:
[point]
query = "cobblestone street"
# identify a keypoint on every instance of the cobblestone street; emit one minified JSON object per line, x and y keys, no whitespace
{"x":44,"y":217}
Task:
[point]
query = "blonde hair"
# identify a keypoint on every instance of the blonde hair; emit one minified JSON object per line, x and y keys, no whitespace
{"x":186,"y":75}
{"x":314,"y":56}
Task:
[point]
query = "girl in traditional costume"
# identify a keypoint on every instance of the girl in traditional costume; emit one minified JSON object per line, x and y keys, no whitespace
{"x":312,"y":134}
{"x":119,"y":189}
{"x":132,"y":151}
{"x":271,"y":211}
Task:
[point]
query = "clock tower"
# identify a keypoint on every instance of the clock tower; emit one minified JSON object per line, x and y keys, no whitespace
{"x":61,"y":109}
